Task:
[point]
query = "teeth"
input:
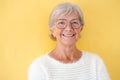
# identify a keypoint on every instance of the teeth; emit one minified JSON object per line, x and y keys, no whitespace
{"x":68,"y":35}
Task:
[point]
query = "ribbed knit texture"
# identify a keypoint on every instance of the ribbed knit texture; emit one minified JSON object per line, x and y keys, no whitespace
{"x":88,"y":67}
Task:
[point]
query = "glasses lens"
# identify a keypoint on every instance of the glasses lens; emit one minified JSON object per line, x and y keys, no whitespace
{"x":75,"y":24}
{"x":63,"y":23}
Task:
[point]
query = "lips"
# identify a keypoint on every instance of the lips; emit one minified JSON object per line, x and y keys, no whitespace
{"x":68,"y":35}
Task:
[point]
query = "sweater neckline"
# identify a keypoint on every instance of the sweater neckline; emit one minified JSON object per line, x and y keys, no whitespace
{"x":62,"y":63}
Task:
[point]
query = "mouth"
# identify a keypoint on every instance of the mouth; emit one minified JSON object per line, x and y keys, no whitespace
{"x":68,"y":35}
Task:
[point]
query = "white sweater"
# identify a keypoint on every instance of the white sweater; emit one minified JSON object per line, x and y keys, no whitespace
{"x":88,"y":67}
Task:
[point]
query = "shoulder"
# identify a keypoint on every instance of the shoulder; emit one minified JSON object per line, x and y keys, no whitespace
{"x":38,"y":61}
{"x":90,"y":54}
{"x":97,"y":64}
{"x":36,"y":69}
{"x":38,"y":64}
{"x":93,"y":60}
{"x":92,"y":57}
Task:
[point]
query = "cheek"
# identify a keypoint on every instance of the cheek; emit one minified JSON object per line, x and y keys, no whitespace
{"x":57,"y":33}
{"x":78,"y":34}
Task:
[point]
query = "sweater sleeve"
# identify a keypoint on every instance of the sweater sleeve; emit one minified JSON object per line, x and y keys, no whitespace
{"x":102,"y":72}
{"x":36,"y":72}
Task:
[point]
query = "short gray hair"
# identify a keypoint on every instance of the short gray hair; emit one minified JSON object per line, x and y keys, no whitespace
{"x":65,"y":8}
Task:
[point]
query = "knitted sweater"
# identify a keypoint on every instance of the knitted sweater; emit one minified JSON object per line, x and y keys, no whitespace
{"x":88,"y":67}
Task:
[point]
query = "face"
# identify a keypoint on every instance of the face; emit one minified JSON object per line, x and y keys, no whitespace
{"x":67,"y":29}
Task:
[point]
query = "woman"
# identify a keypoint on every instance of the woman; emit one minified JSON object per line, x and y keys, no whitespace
{"x":66,"y":62}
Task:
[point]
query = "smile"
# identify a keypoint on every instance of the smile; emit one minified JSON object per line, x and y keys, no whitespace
{"x":68,"y":35}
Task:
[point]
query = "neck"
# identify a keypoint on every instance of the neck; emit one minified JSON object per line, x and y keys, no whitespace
{"x":68,"y":50}
{"x":66,"y":53}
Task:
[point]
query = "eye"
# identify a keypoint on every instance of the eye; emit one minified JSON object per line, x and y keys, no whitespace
{"x":75,"y":23}
{"x":61,"y":23}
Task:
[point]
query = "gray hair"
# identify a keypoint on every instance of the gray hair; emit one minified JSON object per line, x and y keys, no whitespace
{"x":66,"y":9}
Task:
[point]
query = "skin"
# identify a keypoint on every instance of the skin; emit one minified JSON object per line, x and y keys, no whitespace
{"x":66,"y":50}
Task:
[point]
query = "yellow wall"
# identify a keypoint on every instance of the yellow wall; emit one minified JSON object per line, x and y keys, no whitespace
{"x":24,"y":33}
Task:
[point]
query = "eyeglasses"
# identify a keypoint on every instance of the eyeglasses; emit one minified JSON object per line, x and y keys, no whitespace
{"x":62,"y":23}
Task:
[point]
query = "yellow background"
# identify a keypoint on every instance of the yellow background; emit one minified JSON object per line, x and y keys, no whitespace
{"x":24,"y":33}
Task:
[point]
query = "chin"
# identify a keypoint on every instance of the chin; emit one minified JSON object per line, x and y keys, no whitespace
{"x":69,"y":43}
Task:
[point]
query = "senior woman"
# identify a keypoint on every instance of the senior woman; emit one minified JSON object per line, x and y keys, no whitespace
{"x":66,"y":62}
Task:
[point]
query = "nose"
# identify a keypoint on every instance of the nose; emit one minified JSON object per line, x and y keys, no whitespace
{"x":69,"y":27}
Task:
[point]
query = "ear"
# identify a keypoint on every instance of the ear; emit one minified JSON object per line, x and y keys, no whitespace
{"x":81,"y":29}
{"x":52,"y":32}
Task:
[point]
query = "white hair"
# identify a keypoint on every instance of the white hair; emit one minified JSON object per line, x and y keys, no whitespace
{"x":66,"y":9}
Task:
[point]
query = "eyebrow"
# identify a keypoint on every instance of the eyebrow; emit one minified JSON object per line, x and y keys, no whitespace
{"x":66,"y":19}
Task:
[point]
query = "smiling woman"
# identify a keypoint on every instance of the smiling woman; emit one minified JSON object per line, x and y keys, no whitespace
{"x":66,"y":61}
{"x":67,"y":29}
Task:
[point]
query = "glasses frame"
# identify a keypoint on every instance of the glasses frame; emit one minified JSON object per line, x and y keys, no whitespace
{"x":64,"y":23}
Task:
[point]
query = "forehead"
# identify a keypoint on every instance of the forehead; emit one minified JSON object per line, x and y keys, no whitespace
{"x":71,"y":16}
